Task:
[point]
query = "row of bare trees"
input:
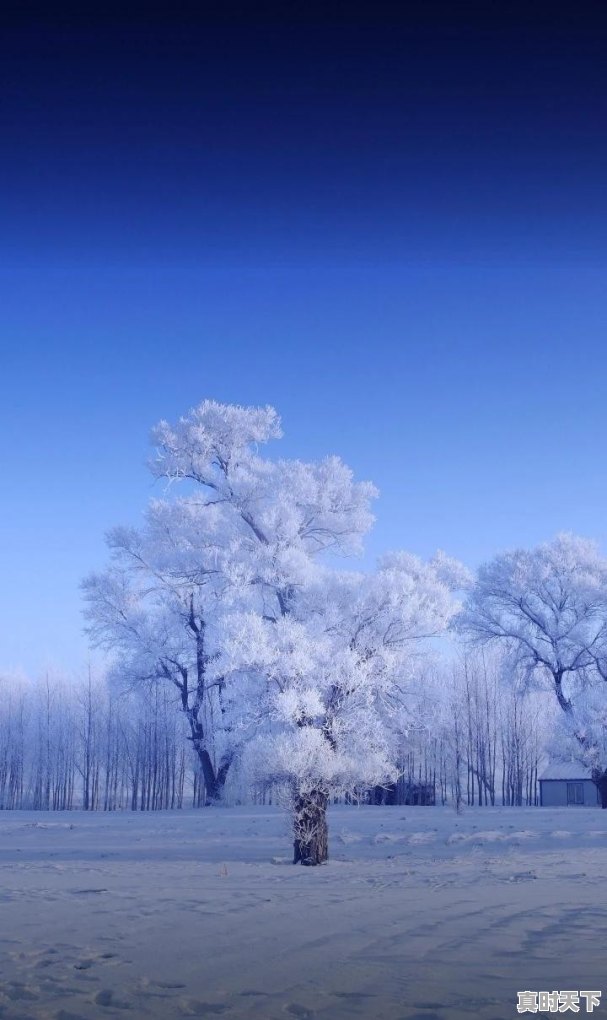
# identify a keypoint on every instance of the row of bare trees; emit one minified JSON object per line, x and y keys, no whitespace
{"x":473,"y":740}
{"x":494,"y":738}
{"x":79,"y":745}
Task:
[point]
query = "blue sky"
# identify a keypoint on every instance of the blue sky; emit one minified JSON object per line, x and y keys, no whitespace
{"x":391,"y":228}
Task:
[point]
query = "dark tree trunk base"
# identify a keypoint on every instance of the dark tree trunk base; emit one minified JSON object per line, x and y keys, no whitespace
{"x":600,"y":781}
{"x":311,"y":844}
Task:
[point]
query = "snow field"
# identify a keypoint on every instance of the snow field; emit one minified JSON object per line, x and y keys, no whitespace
{"x":421,"y":914}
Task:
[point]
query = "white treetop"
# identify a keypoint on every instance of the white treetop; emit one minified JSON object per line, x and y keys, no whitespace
{"x":333,"y":674}
{"x":548,"y":606}
{"x":244,"y":534}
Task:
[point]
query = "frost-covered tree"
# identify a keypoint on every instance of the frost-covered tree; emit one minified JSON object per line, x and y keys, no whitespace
{"x":13,"y":740}
{"x":333,"y":677}
{"x":581,"y":735}
{"x":235,"y":531}
{"x":76,"y":743}
{"x":548,"y":606}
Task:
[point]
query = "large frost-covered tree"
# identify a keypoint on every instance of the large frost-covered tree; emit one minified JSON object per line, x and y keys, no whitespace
{"x":243,"y":533}
{"x":548,"y":606}
{"x":333,"y":681}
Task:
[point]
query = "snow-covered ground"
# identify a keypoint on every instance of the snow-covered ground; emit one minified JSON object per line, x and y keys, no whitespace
{"x":420,"y":914}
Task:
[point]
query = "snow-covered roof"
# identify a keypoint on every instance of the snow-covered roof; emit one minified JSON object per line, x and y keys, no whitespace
{"x":566,"y":770}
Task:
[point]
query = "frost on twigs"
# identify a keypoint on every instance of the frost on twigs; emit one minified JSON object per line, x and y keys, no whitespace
{"x":210,"y":439}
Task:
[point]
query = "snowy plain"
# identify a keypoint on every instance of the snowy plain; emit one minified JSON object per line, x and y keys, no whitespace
{"x":421,"y":914}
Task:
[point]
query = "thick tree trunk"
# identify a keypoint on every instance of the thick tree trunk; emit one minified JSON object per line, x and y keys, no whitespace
{"x":600,"y":780}
{"x":210,"y":779}
{"x":214,"y":781}
{"x":311,"y":843}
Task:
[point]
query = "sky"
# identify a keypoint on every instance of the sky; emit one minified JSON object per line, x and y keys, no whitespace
{"x":389,"y":221}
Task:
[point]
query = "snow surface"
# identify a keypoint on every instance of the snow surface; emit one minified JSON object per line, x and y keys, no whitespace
{"x":421,"y":914}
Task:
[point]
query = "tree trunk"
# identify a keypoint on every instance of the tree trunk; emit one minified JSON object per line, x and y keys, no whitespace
{"x":311,"y":843}
{"x":600,"y":780}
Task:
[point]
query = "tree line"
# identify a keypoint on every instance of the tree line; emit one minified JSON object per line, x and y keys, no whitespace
{"x":67,"y":745}
{"x":237,"y":602}
{"x":85,"y":745}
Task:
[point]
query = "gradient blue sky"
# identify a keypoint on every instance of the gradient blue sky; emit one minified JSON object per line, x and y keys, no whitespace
{"x":388,"y":220}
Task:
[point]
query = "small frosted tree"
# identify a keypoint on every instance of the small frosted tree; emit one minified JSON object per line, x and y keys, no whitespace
{"x":581,"y":734}
{"x":235,"y":531}
{"x":333,"y":678}
{"x":548,"y":607}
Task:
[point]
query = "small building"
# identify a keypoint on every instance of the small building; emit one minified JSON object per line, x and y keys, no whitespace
{"x":565,"y":784}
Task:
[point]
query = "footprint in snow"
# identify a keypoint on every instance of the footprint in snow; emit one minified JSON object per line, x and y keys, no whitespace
{"x":17,"y":992}
{"x":107,"y":998}
{"x":194,"y":1007}
{"x":353,"y":995}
